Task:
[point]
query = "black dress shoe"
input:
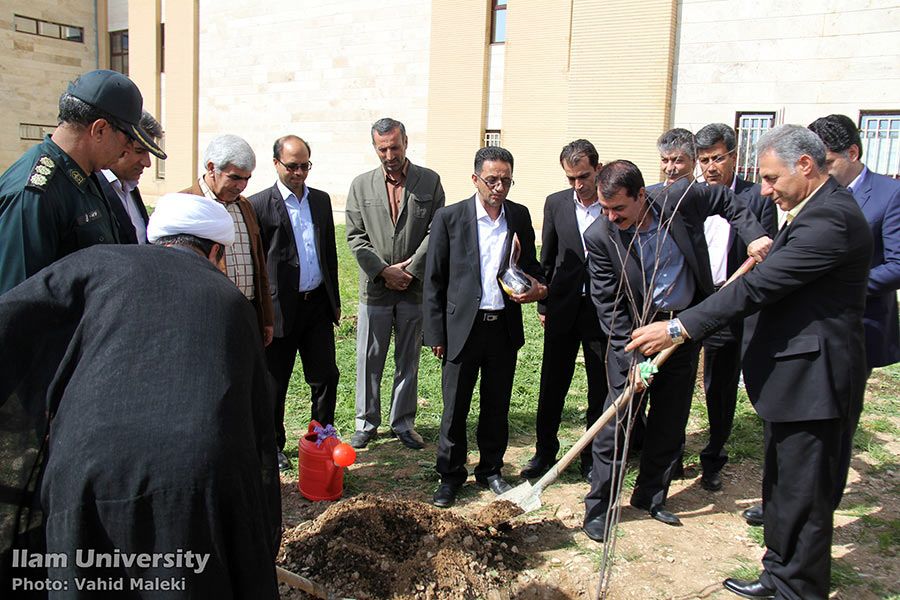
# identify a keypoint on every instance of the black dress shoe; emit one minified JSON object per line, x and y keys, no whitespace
{"x":711,"y":482}
{"x":754,"y":514}
{"x":496,"y":484}
{"x":284,"y":463}
{"x":660,"y":513}
{"x":536,"y":467}
{"x":445,"y":495}
{"x":595,"y":528}
{"x":748,"y":589}
{"x":361,"y":439}
{"x":410,"y":439}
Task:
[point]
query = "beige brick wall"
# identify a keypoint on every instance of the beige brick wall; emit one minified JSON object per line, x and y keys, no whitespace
{"x":36,"y":70}
{"x":457,"y":92}
{"x":536,"y":112}
{"x":804,"y":59}
{"x":324,"y":71}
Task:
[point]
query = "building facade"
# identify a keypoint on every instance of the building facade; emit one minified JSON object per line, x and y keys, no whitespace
{"x":530,"y":75}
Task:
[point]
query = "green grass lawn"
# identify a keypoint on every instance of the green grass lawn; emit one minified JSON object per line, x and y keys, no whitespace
{"x":746,"y":441}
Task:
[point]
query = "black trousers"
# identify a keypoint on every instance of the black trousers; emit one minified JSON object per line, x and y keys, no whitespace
{"x":557,"y":369}
{"x":721,"y":375}
{"x":669,"y":407}
{"x":313,"y":338}
{"x":799,"y":476}
{"x":490,"y":351}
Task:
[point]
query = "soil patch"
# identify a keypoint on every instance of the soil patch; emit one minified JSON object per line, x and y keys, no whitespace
{"x":371,"y":547}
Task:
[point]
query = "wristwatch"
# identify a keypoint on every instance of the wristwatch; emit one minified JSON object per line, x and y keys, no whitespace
{"x":673,"y":328}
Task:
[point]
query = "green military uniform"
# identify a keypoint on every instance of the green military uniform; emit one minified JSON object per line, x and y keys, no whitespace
{"x":49,"y":208}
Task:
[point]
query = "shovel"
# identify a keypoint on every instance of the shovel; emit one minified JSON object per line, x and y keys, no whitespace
{"x":527,"y":496}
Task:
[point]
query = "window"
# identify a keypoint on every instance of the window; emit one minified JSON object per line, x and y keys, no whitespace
{"x":49,"y":29}
{"x":879,"y":132}
{"x":498,"y":22}
{"x":749,"y":126}
{"x":492,"y":137}
{"x":161,"y":164}
{"x":32,"y":131}
{"x":118,"y":51}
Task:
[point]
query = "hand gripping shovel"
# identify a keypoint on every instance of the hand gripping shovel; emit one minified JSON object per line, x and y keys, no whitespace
{"x":527,"y":496}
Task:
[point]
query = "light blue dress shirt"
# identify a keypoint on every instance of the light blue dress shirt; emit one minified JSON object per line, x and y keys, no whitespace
{"x":304,"y":237}
{"x":671,"y":281}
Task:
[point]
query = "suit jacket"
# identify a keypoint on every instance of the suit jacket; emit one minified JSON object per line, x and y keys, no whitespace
{"x":127,"y":234}
{"x":879,"y":198}
{"x":453,"y":274}
{"x":621,"y":305}
{"x":282,"y":260}
{"x":563,"y":261}
{"x":262,"y":301}
{"x":377,"y":243}
{"x":762,"y":208}
{"x":805,"y":360}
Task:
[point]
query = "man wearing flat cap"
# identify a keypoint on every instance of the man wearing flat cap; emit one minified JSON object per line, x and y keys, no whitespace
{"x":162,"y":448}
{"x":50,"y":199}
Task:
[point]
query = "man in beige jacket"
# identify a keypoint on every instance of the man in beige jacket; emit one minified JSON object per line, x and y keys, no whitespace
{"x":388,"y":216}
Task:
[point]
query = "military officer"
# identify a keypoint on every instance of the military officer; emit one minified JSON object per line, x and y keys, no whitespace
{"x":50,"y":200}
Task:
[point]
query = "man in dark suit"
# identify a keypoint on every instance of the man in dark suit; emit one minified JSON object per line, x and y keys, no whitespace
{"x":297,"y":230}
{"x":879,"y":198}
{"x":717,"y":153}
{"x":567,"y":313}
{"x":119,"y":184}
{"x":805,"y":365}
{"x":648,"y":261}
{"x":471,"y":324}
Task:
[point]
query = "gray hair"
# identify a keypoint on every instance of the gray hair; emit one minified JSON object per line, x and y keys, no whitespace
{"x":231,"y":150}
{"x":151,"y":126}
{"x":385,"y":126}
{"x":790,"y":142}
{"x":677,"y":140}
{"x":714,"y":133}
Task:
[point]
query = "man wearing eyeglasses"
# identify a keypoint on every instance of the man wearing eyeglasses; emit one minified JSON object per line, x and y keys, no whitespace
{"x":388,"y":216}
{"x":717,"y":155}
{"x":229,"y":161}
{"x":472,"y":324}
{"x":51,"y":203}
{"x":297,"y":230}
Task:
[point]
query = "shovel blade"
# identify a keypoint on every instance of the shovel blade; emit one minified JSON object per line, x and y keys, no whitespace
{"x":524,"y":495}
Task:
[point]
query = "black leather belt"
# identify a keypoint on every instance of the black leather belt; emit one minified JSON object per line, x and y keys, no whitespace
{"x":310,"y":293}
{"x":489,"y":316}
{"x":665,"y":315}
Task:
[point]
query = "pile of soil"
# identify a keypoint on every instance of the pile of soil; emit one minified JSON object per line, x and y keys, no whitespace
{"x":371,"y":547}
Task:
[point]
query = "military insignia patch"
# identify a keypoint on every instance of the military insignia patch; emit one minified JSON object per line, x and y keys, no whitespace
{"x":77,"y":176}
{"x":41,"y":173}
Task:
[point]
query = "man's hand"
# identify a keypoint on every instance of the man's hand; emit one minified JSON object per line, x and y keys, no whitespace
{"x":268,"y":334}
{"x":438,"y":351}
{"x":650,"y":339}
{"x":396,"y":276}
{"x":543,"y":319}
{"x":537,"y":291}
{"x":759,"y":248}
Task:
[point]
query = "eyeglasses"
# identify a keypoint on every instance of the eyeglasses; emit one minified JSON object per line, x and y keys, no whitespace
{"x":295,"y":168}
{"x":492,"y":183}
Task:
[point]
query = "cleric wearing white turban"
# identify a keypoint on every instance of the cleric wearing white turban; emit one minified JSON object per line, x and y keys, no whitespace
{"x":180,"y":214}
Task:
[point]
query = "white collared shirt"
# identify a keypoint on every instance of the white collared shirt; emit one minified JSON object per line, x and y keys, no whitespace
{"x":585,"y":216}
{"x":859,"y":179}
{"x":304,"y":237}
{"x":124,"y":191}
{"x":491,"y":245}
{"x":717,"y":231}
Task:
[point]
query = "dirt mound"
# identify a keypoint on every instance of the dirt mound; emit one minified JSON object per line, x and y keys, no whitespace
{"x":370,"y":547}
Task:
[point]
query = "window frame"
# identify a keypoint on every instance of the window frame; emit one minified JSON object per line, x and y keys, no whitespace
{"x":496,"y":7}
{"x":743,"y":168}
{"x":892,"y":170}
{"x":60,"y":28}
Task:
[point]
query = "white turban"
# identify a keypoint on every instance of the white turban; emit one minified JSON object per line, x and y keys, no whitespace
{"x":194,"y":215}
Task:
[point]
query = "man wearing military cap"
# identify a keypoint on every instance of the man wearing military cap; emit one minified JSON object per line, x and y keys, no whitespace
{"x":50,"y":200}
